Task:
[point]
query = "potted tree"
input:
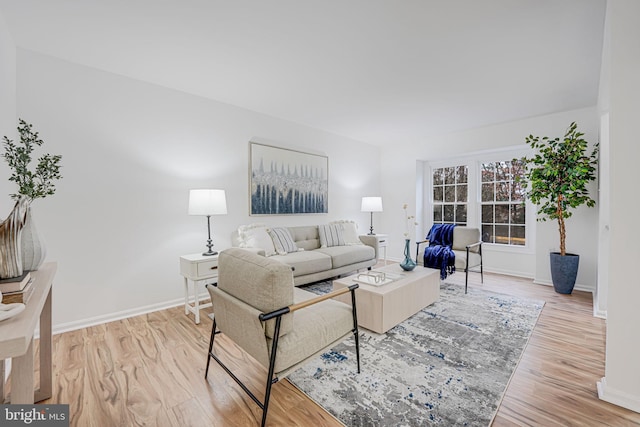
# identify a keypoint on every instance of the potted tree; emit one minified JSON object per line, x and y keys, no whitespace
{"x":558,"y":174}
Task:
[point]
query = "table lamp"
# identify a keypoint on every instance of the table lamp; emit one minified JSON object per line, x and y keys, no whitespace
{"x":207,"y":203}
{"x":371,"y":204}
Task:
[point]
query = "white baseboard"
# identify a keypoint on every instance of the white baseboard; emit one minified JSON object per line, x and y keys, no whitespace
{"x":507,"y":273}
{"x":577,"y":287}
{"x":584,"y":288}
{"x":617,"y":397}
{"x":542,"y":282}
{"x":486,"y":270}
{"x":601,"y":314}
{"x":597,"y":312}
{"x":106,"y":318}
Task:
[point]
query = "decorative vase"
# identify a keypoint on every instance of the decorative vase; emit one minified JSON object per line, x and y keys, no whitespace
{"x":407,"y":264}
{"x":10,"y":235}
{"x":33,"y":249}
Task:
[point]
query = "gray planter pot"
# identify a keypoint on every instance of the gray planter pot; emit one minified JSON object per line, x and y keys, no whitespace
{"x":564,"y":270}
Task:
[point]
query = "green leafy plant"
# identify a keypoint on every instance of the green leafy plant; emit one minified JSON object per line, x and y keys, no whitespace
{"x":32,"y":184}
{"x":558,"y":175}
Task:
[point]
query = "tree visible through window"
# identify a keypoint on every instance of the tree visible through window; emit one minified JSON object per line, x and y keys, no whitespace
{"x":503,"y":208}
{"x":450,"y":195}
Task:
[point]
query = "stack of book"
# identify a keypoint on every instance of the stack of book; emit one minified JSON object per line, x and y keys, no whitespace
{"x":16,"y":289}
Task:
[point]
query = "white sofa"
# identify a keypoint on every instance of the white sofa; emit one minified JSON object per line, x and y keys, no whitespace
{"x":314,"y":258}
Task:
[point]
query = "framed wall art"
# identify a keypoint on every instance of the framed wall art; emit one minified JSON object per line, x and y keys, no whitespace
{"x":286,"y":182}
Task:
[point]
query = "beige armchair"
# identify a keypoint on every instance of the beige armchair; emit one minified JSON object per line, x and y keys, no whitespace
{"x":257,"y":306}
{"x":467,"y":248}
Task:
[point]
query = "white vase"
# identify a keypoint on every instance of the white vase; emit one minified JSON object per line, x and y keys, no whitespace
{"x":10,"y":240}
{"x":33,"y":249}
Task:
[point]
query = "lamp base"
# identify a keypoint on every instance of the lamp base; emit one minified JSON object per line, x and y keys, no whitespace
{"x":209,"y":244}
{"x":371,"y":233}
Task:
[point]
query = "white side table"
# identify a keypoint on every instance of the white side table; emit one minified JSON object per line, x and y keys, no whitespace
{"x":197,"y":268}
{"x":382,"y":244}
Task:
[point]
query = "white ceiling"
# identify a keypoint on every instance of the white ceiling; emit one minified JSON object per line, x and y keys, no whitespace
{"x":378,"y":71}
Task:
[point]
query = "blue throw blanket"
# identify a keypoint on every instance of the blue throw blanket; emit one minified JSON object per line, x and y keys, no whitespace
{"x":439,"y":253}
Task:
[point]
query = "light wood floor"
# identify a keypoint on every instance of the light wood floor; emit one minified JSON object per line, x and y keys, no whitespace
{"x":149,"y":370}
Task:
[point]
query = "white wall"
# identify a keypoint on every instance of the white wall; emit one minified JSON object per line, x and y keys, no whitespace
{"x":131,"y":151}
{"x":621,"y":384}
{"x":399,"y":166}
{"x":604,"y":188}
{"x":604,"y":220}
{"x":8,"y":118}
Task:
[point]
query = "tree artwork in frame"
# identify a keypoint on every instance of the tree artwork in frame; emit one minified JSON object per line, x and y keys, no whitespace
{"x":287,"y":182}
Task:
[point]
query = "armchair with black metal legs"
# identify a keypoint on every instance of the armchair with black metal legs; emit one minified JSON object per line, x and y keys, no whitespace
{"x":256,"y":305}
{"x":467,"y":249}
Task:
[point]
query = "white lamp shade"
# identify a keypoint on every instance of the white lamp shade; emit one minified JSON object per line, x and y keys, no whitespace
{"x":207,"y":202}
{"x":371,"y":204}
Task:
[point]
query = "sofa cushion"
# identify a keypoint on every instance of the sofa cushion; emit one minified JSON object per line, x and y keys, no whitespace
{"x":256,"y":236}
{"x":305,"y":236}
{"x":306,"y":262}
{"x":347,"y":255}
{"x":461,"y":259}
{"x":282,"y":240}
{"x":349,"y":232}
{"x":464,"y":236}
{"x":260,"y":282}
{"x":316,"y":327}
{"x":330,"y":235}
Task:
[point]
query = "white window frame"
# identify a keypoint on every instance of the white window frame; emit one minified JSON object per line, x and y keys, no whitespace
{"x":494,"y":203}
{"x":474,"y":162}
{"x":455,"y":203}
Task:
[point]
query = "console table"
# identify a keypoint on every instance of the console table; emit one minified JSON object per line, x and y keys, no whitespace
{"x":197,"y":268}
{"x":16,"y":342}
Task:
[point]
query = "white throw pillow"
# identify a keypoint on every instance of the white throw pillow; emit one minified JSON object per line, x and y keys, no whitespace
{"x":349,"y":232}
{"x":256,"y":236}
{"x":282,"y":240}
{"x":331,"y":235}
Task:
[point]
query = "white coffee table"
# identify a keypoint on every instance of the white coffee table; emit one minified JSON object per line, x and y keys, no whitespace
{"x":382,"y":307}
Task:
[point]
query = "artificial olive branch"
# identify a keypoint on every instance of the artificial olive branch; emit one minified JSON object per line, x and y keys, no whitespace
{"x":32,"y":184}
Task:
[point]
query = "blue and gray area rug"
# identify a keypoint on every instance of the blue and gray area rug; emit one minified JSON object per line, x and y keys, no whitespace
{"x":448,"y":365}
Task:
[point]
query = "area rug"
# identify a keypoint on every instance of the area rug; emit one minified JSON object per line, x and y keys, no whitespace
{"x":447,"y":365}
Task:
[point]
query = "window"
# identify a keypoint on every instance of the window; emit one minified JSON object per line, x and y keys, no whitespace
{"x":482,"y":191}
{"x":502,"y":203}
{"x":450,"y":195}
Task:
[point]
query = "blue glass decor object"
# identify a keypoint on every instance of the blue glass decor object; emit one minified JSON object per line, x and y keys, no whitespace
{"x":407,"y":264}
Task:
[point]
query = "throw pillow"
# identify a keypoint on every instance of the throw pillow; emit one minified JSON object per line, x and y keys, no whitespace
{"x":331,"y":235}
{"x":349,"y":232}
{"x":256,"y":236}
{"x":282,"y":240}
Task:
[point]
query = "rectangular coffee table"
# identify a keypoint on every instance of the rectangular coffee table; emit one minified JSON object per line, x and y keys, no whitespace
{"x":382,"y":307}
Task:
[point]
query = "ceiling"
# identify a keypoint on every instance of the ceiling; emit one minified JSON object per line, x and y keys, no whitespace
{"x":378,"y":71}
